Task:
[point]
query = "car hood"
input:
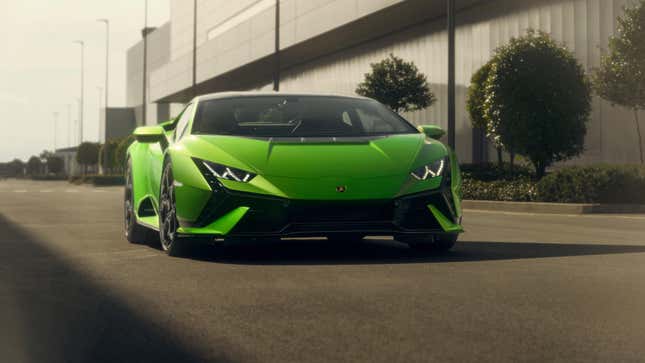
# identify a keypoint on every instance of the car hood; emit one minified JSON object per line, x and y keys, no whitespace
{"x":364,"y":157}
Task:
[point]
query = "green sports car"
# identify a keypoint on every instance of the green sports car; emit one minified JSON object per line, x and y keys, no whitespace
{"x":233,"y":166}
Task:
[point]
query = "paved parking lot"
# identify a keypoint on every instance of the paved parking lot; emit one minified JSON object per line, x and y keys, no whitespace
{"x":519,"y":287}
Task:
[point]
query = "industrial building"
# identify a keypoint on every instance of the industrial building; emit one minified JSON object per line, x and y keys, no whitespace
{"x":328,"y":45}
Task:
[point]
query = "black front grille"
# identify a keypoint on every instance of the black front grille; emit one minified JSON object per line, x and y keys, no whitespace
{"x":279,"y":216}
{"x":303,"y":212}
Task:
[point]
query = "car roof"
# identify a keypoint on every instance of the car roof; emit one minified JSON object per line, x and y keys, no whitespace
{"x":221,"y":95}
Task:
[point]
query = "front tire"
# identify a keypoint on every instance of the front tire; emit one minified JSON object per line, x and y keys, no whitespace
{"x":168,"y":224}
{"x":134,"y":232}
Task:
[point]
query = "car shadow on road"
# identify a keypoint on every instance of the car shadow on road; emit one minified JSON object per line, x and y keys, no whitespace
{"x":322,"y":252}
{"x":52,"y":311}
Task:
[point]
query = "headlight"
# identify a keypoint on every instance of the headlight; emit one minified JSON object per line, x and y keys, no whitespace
{"x":228,"y":173}
{"x":430,"y":170}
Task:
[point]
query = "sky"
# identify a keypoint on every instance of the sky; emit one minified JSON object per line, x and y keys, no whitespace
{"x":40,"y":67}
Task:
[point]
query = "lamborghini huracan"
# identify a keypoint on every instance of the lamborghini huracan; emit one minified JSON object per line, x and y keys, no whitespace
{"x":236,"y":166}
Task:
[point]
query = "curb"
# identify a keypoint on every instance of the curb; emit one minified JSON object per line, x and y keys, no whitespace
{"x":553,"y":208}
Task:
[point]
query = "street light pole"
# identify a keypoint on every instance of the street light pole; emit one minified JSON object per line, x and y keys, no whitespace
{"x":194,"y":88}
{"x":69,"y":125}
{"x":107,"y":75}
{"x":80,"y":132}
{"x":276,"y":55}
{"x":145,"y":63}
{"x":451,"y":74}
{"x":55,"y":131}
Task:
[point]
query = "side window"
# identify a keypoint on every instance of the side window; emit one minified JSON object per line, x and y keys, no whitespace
{"x":182,"y":124}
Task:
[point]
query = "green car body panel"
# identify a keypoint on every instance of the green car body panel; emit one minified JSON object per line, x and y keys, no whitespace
{"x":344,"y":171}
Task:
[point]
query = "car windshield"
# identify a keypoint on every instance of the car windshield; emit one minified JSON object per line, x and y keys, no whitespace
{"x":297,"y":116}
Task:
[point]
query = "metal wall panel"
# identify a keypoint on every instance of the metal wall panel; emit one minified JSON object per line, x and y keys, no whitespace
{"x":584,"y":26}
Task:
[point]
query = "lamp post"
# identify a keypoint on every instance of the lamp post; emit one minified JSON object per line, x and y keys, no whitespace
{"x":145,"y":62}
{"x":55,"y":131}
{"x":451,"y":74}
{"x":69,"y":125}
{"x":107,"y":74}
{"x":80,"y":132}
{"x":276,"y":55}
{"x":194,"y":91}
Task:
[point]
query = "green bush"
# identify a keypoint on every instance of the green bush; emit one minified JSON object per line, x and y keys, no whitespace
{"x":98,"y":180}
{"x":595,"y":184}
{"x":492,"y":172}
{"x":107,"y":180}
{"x":520,"y":190}
{"x":614,"y":184}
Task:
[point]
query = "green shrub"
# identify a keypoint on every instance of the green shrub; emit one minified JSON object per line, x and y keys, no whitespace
{"x":107,"y":180}
{"x":492,"y":172}
{"x":520,"y":190}
{"x":594,"y":184}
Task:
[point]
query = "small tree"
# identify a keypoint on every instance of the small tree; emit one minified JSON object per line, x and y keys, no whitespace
{"x":87,"y":155}
{"x":621,"y":76}
{"x":539,"y":100}
{"x":55,"y":164}
{"x":16,"y":168}
{"x":397,"y":84}
{"x":107,"y":156}
{"x":120,"y":152}
{"x":34,"y":166}
{"x":475,"y":106}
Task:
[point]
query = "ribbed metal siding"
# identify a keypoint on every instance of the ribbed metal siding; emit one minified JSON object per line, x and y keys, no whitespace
{"x":583,"y":25}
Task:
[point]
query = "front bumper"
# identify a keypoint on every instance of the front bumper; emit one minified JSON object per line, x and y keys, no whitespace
{"x":237,"y":214}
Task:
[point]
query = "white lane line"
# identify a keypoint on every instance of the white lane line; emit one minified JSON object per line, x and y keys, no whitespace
{"x":46,"y":191}
{"x":604,"y":216}
{"x":20,"y":191}
{"x":98,"y":191}
{"x":71,"y":191}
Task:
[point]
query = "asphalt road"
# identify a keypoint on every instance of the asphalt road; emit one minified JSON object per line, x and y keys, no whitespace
{"x":519,"y":287}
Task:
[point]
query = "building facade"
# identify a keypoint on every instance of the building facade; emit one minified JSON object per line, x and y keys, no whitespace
{"x":120,"y":123}
{"x":328,"y":45}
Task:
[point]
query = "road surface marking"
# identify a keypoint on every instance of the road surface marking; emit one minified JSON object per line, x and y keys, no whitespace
{"x":46,"y":191}
{"x":71,"y":191}
{"x":20,"y":191}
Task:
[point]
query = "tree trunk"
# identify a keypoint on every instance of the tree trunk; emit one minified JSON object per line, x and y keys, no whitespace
{"x":500,"y":157}
{"x":512,"y":161}
{"x":540,"y":169}
{"x":638,"y":131}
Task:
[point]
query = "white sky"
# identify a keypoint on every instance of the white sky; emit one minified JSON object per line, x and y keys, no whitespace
{"x":40,"y":66}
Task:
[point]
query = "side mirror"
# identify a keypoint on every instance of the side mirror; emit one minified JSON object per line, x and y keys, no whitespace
{"x":432,"y":131}
{"x":150,"y":134}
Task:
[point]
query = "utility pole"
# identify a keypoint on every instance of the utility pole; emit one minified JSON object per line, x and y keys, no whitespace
{"x":145,"y":63}
{"x":107,"y":74}
{"x":80,"y":131}
{"x":100,"y":89}
{"x":451,"y":74}
{"x":55,"y":131}
{"x":69,"y":125}
{"x":276,"y":71}
{"x":194,"y":88}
